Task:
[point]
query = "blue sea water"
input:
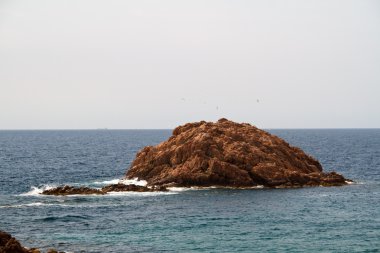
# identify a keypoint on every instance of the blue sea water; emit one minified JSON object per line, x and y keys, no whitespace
{"x":319,"y":219}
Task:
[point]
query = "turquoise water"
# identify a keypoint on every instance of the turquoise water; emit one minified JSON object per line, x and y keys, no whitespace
{"x":335,"y":219}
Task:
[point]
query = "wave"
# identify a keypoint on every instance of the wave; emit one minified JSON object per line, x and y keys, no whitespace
{"x":198,"y":188}
{"x":134,"y":181}
{"x":36,"y":191}
{"x":140,"y":194}
{"x":71,"y":205}
{"x":34,"y":204}
{"x":112,"y":181}
{"x":358,"y":182}
{"x":180,"y":189}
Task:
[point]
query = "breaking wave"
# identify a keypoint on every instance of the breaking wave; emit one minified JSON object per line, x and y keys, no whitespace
{"x":36,"y":191}
{"x":34,"y":204}
{"x":140,"y":194}
{"x":134,"y":181}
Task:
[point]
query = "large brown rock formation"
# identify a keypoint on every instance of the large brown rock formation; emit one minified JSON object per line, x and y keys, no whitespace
{"x":228,"y":154}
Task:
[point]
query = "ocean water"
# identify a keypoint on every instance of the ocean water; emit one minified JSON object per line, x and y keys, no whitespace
{"x":319,"y":219}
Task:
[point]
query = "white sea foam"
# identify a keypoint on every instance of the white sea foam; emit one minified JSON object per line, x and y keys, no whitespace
{"x":179,"y":189}
{"x":134,"y":181}
{"x":139,"y":194}
{"x":356,"y":182}
{"x":193,"y":188}
{"x":197,"y":188}
{"x":36,"y":191}
{"x":112,"y":181}
{"x":31,"y":205}
{"x":37,"y":204}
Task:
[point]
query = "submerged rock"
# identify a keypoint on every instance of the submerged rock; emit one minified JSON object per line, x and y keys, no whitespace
{"x":228,"y":154}
{"x":70,"y":190}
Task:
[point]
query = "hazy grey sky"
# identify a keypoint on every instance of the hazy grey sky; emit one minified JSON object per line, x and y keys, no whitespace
{"x":157,"y":64}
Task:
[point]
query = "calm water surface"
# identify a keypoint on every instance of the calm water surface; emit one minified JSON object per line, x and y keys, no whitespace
{"x":335,"y":219}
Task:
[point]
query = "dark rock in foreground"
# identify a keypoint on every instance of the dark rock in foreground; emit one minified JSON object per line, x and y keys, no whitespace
{"x":70,"y":190}
{"x":228,"y":154}
{"x":9,"y":244}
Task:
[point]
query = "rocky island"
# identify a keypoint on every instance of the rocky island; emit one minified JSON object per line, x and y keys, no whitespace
{"x":228,"y":154}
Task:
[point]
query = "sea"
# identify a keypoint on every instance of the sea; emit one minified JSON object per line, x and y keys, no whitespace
{"x":315,"y":219}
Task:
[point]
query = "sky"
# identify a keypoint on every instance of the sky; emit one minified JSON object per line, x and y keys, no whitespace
{"x":131,"y":64}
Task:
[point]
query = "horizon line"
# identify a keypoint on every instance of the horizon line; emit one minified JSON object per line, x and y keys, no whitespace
{"x":111,"y":129}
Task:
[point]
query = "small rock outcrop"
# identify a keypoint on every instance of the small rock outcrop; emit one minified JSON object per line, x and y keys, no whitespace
{"x":228,"y":154}
{"x":131,"y":187}
{"x":70,"y":190}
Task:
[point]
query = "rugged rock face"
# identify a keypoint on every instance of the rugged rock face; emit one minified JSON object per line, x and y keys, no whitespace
{"x":70,"y":190}
{"x":226,"y":153}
